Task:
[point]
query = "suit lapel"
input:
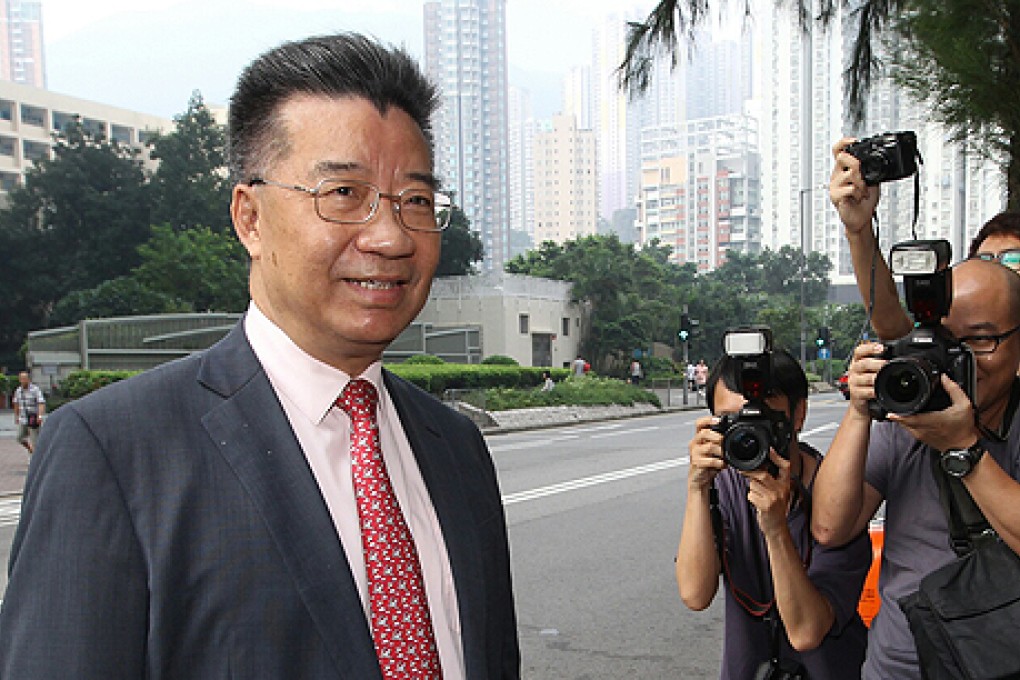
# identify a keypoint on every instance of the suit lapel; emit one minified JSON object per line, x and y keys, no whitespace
{"x":437,"y":458}
{"x":253,"y":434}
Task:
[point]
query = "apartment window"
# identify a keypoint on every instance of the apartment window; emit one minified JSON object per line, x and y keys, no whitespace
{"x":566,"y":327}
{"x":525,"y":322}
{"x":33,"y":115}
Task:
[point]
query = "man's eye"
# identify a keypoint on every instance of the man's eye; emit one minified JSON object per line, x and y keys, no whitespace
{"x":418,"y":201}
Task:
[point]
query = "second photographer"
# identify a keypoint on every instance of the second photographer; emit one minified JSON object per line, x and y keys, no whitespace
{"x":791,"y":604}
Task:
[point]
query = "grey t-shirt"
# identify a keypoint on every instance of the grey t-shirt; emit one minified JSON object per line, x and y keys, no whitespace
{"x":837,"y":573}
{"x":916,"y":540}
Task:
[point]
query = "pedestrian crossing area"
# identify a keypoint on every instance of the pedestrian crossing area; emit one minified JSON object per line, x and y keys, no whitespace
{"x":10,"y":511}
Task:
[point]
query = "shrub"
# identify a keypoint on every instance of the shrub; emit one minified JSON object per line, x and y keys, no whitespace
{"x":583,"y":391}
{"x":80,"y":383}
{"x":424,"y":359}
{"x":500,"y":360}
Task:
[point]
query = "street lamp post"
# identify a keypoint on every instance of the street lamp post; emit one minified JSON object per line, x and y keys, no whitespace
{"x":801,"y":193}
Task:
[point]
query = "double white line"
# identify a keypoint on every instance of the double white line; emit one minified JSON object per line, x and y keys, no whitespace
{"x":583,"y":482}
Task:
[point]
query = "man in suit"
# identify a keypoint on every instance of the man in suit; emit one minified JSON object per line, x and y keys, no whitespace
{"x":207,"y":519}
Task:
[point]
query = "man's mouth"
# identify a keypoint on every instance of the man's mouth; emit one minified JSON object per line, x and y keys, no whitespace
{"x":373,"y":284}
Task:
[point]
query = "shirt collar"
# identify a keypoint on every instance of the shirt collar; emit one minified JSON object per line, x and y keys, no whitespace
{"x":311,"y":385}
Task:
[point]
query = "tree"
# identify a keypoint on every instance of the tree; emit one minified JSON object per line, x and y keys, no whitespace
{"x":461,"y":247}
{"x":190,"y":187}
{"x":122,"y":296}
{"x":76,"y":222}
{"x":960,"y":57}
{"x":206,"y":269}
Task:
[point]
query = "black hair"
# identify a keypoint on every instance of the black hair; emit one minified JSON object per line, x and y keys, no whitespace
{"x":1003,"y":224}
{"x":341,"y":65}
{"x":788,"y":379}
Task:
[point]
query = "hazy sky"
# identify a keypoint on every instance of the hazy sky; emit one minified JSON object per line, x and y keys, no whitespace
{"x":149,"y":55}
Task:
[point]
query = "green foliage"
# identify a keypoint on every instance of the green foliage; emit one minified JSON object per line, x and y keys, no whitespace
{"x":960,"y":59}
{"x":206,"y":268}
{"x":424,"y":359}
{"x":80,"y":383}
{"x":461,"y":247}
{"x":499,"y":359}
{"x":436,"y":379}
{"x":659,"y":367}
{"x":75,"y":223}
{"x":122,"y":296}
{"x":636,"y":296}
{"x":189,"y":188}
{"x":586,"y":391}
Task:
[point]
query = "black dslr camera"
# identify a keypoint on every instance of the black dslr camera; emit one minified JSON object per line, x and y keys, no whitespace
{"x":910,"y":382}
{"x":886,"y":157}
{"x":748,"y":435}
{"x":780,"y":669}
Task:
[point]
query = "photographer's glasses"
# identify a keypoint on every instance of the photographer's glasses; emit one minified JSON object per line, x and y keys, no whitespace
{"x":1007,"y":258}
{"x":986,"y":344}
{"x":351,"y":201}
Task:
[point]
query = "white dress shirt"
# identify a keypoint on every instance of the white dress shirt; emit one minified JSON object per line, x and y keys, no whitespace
{"x":308,"y":388}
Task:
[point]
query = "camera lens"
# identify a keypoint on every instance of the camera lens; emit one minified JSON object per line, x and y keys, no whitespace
{"x":873,"y":166}
{"x":905,"y":385}
{"x":746,"y":446}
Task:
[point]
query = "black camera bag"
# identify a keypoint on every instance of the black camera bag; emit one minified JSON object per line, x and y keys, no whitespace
{"x":966,"y":614}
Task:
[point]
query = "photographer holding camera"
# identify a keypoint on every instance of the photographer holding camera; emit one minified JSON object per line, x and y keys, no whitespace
{"x":895,"y":461}
{"x":790,"y":603}
{"x":854,"y":191}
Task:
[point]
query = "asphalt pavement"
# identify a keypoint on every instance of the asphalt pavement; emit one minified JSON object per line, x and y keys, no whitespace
{"x":13,"y":457}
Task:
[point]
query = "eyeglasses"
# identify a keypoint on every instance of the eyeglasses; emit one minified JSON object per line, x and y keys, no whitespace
{"x":1007,"y":258}
{"x":351,"y":201}
{"x":986,"y":344}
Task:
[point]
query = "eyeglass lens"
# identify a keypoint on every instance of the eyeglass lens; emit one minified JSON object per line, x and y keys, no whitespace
{"x":353,"y":201}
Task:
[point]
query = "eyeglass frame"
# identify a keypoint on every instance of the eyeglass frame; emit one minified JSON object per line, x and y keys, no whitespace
{"x":998,"y":339}
{"x":997,"y":257}
{"x":395,"y":199}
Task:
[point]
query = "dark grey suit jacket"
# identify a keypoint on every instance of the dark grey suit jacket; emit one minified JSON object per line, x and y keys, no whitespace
{"x":172,"y":528}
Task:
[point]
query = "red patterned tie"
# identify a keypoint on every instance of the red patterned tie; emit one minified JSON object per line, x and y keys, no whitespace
{"x":401,"y":626}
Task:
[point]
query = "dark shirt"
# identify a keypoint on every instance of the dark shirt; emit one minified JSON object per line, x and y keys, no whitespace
{"x":837,"y":573}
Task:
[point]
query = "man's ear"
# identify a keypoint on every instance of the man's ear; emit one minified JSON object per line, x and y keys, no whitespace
{"x":244,"y":213}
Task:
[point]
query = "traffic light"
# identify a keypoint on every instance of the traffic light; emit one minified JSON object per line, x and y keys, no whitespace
{"x":823,"y":336}
{"x":685,"y":327}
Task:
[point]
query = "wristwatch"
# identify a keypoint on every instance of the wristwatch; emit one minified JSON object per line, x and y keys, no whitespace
{"x":959,"y":462}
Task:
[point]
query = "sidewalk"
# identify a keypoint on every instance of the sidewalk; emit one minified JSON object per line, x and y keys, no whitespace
{"x":13,"y":457}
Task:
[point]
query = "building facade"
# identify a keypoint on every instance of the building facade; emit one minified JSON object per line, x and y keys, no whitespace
{"x":21,"y":43}
{"x":701,"y":189}
{"x":530,"y":319}
{"x":565,"y":184}
{"x":29,"y":116}
{"x":466,"y":54}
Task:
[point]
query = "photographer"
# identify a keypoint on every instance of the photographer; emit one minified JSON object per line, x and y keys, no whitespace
{"x":769,"y":562}
{"x":892,"y":461}
{"x":856,"y":203}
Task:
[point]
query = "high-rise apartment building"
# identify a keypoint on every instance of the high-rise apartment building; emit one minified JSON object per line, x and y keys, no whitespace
{"x":701,"y":189}
{"x":466,"y":54}
{"x":565,"y":182}
{"x":21,"y":42}
{"x":520,"y":177}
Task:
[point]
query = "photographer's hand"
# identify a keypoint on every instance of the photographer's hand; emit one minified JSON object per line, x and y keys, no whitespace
{"x":954,"y":427}
{"x":861,"y":374}
{"x":855,"y":201}
{"x":770,"y":495}
{"x":706,"y":454}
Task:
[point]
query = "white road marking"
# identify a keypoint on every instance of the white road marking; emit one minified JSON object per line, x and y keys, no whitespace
{"x":584,"y":482}
{"x":10,"y":512}
{"x":630,"y":431}
{"x":818,"y":430}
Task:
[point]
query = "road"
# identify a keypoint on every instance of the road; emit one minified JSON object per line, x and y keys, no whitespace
{"x":594,"y":518}
{"x":594,"y":514}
